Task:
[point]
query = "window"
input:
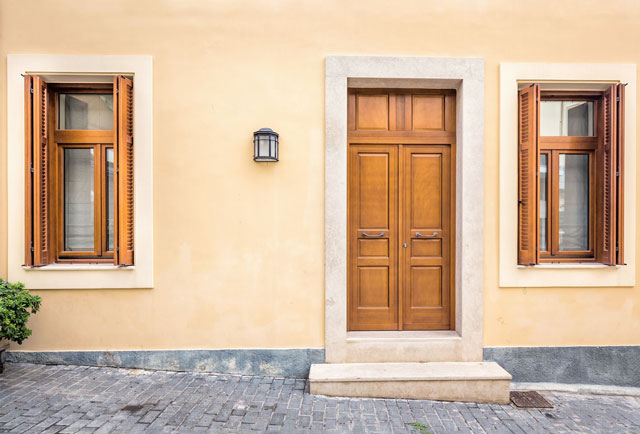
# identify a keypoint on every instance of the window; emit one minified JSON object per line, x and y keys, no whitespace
{"x":79,"y":172}
{"x":570,"y":176}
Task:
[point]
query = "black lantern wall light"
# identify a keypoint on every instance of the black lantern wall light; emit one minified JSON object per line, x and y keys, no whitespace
{"x":265,"y":145}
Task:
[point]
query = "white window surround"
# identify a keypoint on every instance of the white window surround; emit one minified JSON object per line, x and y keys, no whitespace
{"x":79,"y":276}
{"x":466,"y":75}
{"x":570,"y":76}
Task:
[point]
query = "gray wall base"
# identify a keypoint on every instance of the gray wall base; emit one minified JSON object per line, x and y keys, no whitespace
{"x":611,"y":366}
{"x":282,"y":363}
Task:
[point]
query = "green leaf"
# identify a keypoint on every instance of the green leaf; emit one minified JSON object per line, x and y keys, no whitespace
{"x":16,"y":305}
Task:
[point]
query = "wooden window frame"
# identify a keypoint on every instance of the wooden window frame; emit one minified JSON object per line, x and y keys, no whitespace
{"x":553,"y":221}
{"x":99,"y":141}
{"x":605,"y":188}
{"x":553,"y":146}
{"x":546,"y":253}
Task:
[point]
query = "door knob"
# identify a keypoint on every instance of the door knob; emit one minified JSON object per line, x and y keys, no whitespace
{"x":381,"y":234}
{"x":404,"y":245}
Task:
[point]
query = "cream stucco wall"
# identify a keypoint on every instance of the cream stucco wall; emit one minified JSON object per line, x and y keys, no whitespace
{"x":239,"y":246}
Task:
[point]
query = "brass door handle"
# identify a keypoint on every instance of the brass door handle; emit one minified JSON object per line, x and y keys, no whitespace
{"x":381,"y":234}
{"x":418,"y":234}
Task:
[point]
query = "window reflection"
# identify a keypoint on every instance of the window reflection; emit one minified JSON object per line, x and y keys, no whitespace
{"x":566,"y":118}
{"x":109,"y":163}
{"x":78,"y":200}
{"x":84,"y":111}
{"x":573,"y":202}
{"x":543,"y":201}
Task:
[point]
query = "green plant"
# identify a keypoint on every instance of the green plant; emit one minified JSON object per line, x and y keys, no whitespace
{"x":421,"y":427}
{"x":16,"y":304}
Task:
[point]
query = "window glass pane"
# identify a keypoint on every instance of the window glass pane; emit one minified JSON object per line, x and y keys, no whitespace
{"x":544,"y":166}
{"x":109,"y":177}
{"x":78,"y":199}
{"x":573,"y":202}
{"x":84,"y":111}
{"x":566,"y":118}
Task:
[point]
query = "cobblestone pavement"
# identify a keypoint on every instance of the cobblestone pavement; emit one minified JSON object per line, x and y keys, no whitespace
{"x":68,"y":399}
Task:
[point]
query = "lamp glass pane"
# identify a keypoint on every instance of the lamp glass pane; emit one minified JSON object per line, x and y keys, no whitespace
{"x":263,"y":145}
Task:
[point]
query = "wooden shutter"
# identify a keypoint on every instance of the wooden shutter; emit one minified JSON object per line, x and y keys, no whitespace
{"x":528,"y":175}
{"x":123,"y":156}
{"x":28,"y":179}
{"x":37,"y":242}
{"x":619,"y":175}
{"x":607,"y":166}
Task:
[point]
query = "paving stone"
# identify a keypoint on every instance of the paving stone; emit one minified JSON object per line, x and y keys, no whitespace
{"x":277,"y":419}
{"x":47,"y":399}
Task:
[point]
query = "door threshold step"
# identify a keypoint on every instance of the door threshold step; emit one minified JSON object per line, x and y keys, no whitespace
{"x":442,"y":381}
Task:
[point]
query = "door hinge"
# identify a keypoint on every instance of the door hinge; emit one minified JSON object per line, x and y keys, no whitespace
{"x":31,"y":168}
{"x":617,"y":173}
{"x":617,"y":247}
{"x":31,"y":246}
{"x":617,"y":99}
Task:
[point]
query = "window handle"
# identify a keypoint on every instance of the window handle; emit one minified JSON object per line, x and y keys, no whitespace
{"x":381,"y":234}
{"x":418,"y":234}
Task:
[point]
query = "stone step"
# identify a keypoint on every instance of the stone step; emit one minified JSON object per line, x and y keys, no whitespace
{"x":443,"y":381}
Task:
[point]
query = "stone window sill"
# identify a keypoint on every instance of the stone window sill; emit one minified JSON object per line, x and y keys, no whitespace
{"x":570,"y":265}
{"x":78,"y":267}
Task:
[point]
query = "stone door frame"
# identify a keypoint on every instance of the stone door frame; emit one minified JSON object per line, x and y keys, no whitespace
{"x":466,"y":75}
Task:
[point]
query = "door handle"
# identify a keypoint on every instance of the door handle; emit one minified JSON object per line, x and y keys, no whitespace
{"x":381,"y":234}
{"x":418,"y":234}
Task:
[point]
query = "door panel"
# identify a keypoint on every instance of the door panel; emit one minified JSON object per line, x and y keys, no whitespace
{"x":426,"y":248}
{"x":373,"y":238}
{"x":373,"y":112}
{"x":428,"y":112}
{"x":373,"y":248}
{"x":425,"y":187}
{"x":373,"y":190}
{"x":373,"y":287}
{"x":426,"y":199}
{"x":429,"y":281}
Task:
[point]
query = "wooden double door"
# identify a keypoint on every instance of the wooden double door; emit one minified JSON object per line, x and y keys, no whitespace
{"x":400,"y":235}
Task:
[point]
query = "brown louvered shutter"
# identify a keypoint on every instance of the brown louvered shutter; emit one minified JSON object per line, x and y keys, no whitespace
{"x":620,"y":176}
{"x":28,"y":179}
{"x":124,"y":230}
{"x":37,"y":249}
{"x":607,"y":180}
{"x":527,"y":175}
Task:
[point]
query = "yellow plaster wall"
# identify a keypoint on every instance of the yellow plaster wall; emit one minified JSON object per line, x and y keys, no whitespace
{"x":239,"y":245}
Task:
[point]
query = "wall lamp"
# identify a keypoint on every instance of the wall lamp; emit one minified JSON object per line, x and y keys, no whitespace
{"x":265,"y":145}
